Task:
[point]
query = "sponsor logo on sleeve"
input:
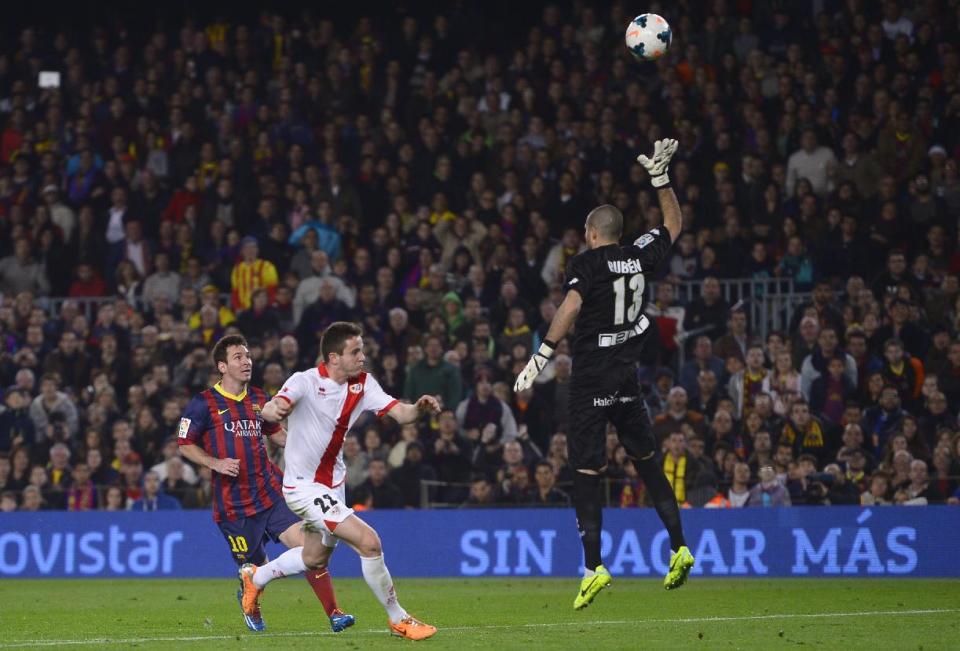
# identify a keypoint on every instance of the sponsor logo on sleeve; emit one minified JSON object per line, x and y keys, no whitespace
{"x":644,"y":240}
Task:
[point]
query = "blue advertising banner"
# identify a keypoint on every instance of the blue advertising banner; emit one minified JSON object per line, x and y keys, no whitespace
{"x":815,"y":541}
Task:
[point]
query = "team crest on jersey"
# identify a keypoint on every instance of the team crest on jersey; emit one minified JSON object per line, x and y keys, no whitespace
{"x":256,"y":407}
{"x":322,"y":391}
{"x":184,"y":427}
{"x":356,"y":388}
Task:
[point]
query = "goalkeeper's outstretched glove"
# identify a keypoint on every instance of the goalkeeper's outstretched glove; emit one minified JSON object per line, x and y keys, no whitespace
{"x":534,"y":366}
{"x":663,"y":151}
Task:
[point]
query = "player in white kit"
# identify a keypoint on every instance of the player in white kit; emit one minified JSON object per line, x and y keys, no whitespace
{"x":321,"y":404}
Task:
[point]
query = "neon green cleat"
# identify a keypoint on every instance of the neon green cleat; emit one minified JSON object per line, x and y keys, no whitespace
{"x":590,"y":587}
{"x":681,"y":562}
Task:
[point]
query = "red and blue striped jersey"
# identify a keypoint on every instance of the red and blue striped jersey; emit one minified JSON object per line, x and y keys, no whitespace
{"x":230,"y":426}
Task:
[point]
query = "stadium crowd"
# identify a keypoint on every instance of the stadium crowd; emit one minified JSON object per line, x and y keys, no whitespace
{"x":410,"y":173}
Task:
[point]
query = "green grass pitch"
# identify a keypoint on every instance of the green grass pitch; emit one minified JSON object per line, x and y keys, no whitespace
{"x":491,"y":614}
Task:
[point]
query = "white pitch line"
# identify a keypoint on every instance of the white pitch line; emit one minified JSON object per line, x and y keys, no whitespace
{"x":617,"y":622}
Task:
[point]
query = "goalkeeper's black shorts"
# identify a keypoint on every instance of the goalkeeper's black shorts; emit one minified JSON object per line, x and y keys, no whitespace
{"x":596,"y":397}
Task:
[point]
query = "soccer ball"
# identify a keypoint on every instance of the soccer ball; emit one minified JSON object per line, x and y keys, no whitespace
{"x":648,"y":37}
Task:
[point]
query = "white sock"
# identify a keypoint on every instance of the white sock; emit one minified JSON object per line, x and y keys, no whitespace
{"x":378,"y":578}
{"x":587,"y":573}
{"x":288,"y":563}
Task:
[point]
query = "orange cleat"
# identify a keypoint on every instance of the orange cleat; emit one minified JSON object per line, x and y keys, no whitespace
{"x":412,"y":629}
{"x":250,"y":599}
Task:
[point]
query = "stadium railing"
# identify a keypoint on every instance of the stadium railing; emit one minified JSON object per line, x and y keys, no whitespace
{"x":769,"y":302}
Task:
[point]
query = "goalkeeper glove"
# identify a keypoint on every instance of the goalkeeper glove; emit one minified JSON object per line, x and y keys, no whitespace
{"x":663,"y":151}
{"x":534,"y":366}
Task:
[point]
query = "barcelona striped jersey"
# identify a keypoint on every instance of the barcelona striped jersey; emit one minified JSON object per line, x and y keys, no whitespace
{"x":229,"y":426}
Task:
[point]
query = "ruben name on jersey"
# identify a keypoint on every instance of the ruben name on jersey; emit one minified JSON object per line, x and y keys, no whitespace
{"x":611,"y":281}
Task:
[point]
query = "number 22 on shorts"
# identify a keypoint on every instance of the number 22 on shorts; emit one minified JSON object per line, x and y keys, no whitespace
{"x":325,"y":502}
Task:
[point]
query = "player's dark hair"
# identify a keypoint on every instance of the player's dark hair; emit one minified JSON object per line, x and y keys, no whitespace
{"x":221,"y":347}
{"x":335,"y":338}
{"x":607,"y":220}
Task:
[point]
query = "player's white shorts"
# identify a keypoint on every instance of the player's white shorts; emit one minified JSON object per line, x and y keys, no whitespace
{"x":322,"y":508}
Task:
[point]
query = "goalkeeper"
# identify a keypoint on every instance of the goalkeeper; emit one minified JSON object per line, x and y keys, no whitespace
{"x":605,"y":288}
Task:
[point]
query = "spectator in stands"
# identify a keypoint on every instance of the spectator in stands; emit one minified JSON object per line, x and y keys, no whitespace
{"x":659,"y":388}
{"x":516,"y":488}
{"x":152,"y":499}
{"x":250,"y":273}
{"x":768,"y":491}
{"x":943,"y":482}
{"x":738,"y":494}
{"x":806,"y":432}
{"x":408,"y":477}
{"x":163,"y":282}
{"x":356,"y":461}
{"x":113,"y":499}
{"x":8,"y":502}
{"x":812,"y":162}
{"x":16,"y":426}
{"x":546,"y":492}
{"x":54,"y":414}
{"x":451,"y":456}
{"x":708,"y":313}
{"x":703,"y":359}
{"x":19,"y":272}
{"x":782,"y":384}
{"x":377,"y":491}
{"x":88,"y":282}
{"x":841,"y":491}
{"x":678,"y":417}
{"x":82,"y":494}
{"x":797,"y":263}
{"x":917,"y":492}
{"x":32,"y":499}
{"x":896,"y":272}
{"x":877,"y":493}
{"x":434,"y":376}
{"x":747,"y":383}
{"x":311,"y":284}
{"x":706,"y":397}
{"x":261,"y":319}
{"x":902,"y":372}
{"x":829,"y":392}
{"x":815,"y":364}
{"x":547,"y":410}
{"x":684,"y":472}
{"x":69,"y":362}
{"x":481,"y":493}
{"x":914,"y":340}
{"x":734,"y":343}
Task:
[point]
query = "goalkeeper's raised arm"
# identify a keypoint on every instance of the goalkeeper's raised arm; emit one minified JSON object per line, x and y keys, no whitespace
{"x":656,"y":167}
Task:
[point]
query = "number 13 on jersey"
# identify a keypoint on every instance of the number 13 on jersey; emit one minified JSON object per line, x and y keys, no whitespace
{"x":636,"y":285}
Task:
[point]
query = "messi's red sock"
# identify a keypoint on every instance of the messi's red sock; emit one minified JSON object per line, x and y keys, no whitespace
{"x":322,"y":584}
